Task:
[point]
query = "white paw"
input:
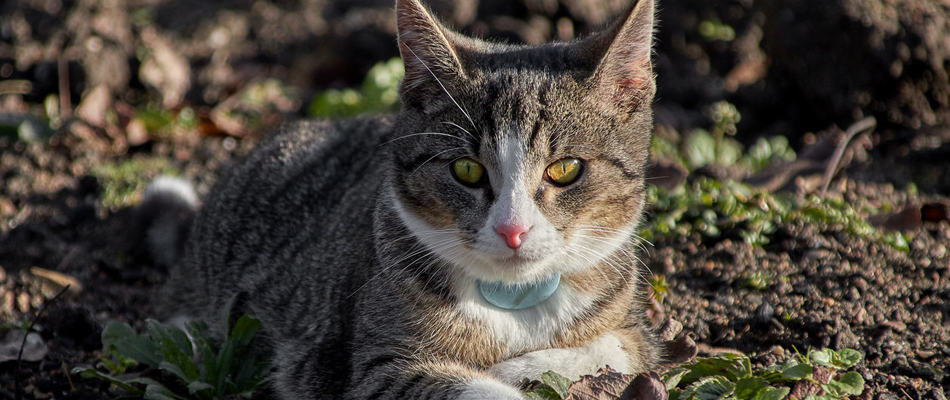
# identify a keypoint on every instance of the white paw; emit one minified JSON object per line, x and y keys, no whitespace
{"x":484,"y":389}
{"x":570,"y":362}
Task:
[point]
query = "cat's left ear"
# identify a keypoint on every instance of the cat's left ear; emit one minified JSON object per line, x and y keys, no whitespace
{"x":624,"y":78}
{"x":428,"y":52}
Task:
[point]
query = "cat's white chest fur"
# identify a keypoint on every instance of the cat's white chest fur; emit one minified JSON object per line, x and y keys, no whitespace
{"x":532,"y":328}
{"x":526,"y":329}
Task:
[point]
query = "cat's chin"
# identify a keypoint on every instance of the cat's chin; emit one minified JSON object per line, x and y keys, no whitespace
{"x":511,"y":269}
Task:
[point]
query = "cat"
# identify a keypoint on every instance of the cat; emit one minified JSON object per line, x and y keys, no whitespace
{"x":483,"y":235}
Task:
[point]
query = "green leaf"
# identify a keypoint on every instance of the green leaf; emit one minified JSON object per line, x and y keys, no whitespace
{"x":700,"y":149}
{"x":558,"y":383}
{"x":822,"y":357}
{"x":772,"y":394}
{"x":711,"y":388}
{"x":848,"y":358}
{"x":126,"y":342}
{"x":850,"y":384}
{"x":176,"y":349}
{"x":797,"y":372}
{"x":673,"y":377}
{"x":244,"y":330}
{"x":543,"y":393}
{"x":223,"y":365}
{"x":89,"y":373}
{"x":198,"y":386}
{"x":158,"y":392}
{"x":175,"y":370}
{"x":732,"y":366}
{"x":747,"y":388}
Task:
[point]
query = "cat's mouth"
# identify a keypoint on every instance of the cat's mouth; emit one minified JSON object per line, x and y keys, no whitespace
{"x":511,"y":267}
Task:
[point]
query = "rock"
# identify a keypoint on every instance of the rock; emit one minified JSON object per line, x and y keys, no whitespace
{"x":94,"y":106}
{"x":35,"y":348}
{"x":165,"y":68}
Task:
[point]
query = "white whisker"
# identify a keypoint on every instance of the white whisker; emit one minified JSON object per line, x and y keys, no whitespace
{"x":443,"y":88}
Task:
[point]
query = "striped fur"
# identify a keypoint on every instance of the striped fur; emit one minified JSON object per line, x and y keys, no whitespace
{"x":359,"y":251}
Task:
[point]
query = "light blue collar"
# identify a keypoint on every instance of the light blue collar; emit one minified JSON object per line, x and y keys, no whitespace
{"x":517,"y":297}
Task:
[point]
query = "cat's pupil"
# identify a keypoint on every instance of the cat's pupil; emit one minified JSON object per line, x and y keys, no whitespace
{"x":565,"y":171}
{"x":468,"y":171}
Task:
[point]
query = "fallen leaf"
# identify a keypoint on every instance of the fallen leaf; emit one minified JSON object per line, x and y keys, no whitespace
{"x":58,"y":280}
{"x":906,"y":220}
{"x":612,"y":385}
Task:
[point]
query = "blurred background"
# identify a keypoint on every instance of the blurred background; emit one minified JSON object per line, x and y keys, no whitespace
{"x":129,"y":68}
{"x":799,"y":182}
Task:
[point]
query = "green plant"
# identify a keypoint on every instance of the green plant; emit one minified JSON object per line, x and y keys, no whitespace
{"x":757,"y":280}
{"x":731,"y":376}
{"x":659,"y":286}
{"x":709,"y":207}
{"x":552,"y":386}
{"x":192,"y":361}
{"x":717,"y":146}
{"x":163,"y":122}
{"x":124,"y":182}
{"x":379,"y":93}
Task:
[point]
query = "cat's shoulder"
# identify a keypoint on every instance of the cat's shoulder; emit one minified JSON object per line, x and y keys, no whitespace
{"x":314,"y":135}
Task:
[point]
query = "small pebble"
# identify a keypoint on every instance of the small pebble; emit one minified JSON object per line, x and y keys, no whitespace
{"x":23,"y":302}
{"x":764,"y":313}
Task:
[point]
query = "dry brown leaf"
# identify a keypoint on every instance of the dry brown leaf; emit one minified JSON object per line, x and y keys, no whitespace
{"x":612,"y":385}
{"x":57,"y":280}
{"x":906,"y":220}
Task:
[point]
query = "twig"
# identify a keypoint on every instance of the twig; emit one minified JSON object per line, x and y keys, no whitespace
{"x":832,"y":167}
{"x":72,"y":387}
{"x":65,"y":103}
{"x":19,"y":357}
{"x":15,"y":86}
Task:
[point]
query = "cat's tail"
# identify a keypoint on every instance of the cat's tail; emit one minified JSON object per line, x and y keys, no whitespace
{"x":164,"y":219}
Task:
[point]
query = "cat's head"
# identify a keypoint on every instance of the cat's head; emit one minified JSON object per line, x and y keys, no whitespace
{"x":512,"y":163}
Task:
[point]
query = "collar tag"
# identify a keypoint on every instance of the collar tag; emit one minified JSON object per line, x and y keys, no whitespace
{"x":521,"y":296}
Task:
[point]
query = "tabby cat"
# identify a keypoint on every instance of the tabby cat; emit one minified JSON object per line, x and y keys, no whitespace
{"x":482,"y":235}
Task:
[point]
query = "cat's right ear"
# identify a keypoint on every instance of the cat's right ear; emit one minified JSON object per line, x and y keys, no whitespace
{"x":428,"y":53}
{"x":624,"y":78}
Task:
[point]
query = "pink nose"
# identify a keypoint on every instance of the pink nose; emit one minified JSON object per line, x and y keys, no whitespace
{"x":512,"y":234}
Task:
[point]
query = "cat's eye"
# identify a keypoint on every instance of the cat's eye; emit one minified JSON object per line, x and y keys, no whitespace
{"x":565,"y":171}
{"x":468,"y":171}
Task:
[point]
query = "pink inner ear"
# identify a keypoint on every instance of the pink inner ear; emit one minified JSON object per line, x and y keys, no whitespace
{"x":635,"y":83}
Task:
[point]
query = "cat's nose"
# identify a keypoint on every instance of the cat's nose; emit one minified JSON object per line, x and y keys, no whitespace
{"x":513,"y":234}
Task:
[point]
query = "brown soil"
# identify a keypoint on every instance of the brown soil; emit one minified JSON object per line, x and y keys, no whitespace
{"x":825,"y":288}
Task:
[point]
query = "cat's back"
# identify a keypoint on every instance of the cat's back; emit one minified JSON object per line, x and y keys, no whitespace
{"x":274,"y":223}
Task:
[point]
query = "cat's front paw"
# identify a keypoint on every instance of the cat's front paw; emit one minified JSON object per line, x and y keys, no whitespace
{"x":570,"y":362}
{"x":483,"y":389}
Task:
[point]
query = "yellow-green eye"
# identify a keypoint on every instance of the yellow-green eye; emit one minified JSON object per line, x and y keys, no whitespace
{"x":468,"y":171}
{"x":565,"y":171}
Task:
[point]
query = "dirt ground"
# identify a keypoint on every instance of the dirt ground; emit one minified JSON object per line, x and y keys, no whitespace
{"x":819,"y":286}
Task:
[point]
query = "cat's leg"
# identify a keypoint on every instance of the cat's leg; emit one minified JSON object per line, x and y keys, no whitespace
{"x":303,"y":375}
{"x":433,"y":381}
{"x":616,"y":350}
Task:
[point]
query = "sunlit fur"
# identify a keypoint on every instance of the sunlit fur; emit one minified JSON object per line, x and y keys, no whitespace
{"x":360,"y":251}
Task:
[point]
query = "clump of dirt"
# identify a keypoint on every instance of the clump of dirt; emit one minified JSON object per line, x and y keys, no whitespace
{"x":821,"y":287}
